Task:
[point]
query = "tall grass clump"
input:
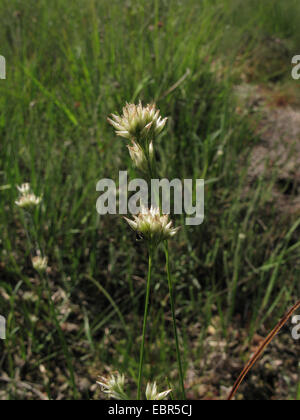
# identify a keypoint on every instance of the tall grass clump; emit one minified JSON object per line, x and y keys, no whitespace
{"x":69,"y":65}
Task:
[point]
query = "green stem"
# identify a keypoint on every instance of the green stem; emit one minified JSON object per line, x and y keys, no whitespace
{"x":174,"y":319}
{"x":142,"y":352}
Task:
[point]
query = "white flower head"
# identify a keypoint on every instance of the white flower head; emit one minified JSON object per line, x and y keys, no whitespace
{"x":153,"y":394}
{"x":138,"y":123}
{"x":153,"y":226}
{"x":113,"y":386}
{"x":39,"y":263}
{"x":27,"y":199}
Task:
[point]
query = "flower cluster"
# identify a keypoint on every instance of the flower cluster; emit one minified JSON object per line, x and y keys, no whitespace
{"x":39,"y":263}
{"x":153,"y":226}
{"x":138,"y":123}
{"x":113,"y":386}
{"x":153,"y":394}
{"x":27,"y":199}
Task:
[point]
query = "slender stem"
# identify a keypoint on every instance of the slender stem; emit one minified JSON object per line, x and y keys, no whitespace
{"x":174,"y":319}
{"x":142,"y":352}
{"x":261,"y":349}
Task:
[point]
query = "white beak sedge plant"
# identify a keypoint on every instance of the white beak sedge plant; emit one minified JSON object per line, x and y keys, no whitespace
{"x":141,"y":125}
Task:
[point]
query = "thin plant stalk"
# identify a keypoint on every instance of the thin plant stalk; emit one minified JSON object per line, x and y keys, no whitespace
{"x":142,"y":352}
{"x":234,"y":284}
{"x":170,"y":282}
{"x":153,"y":169}
{"x":261,"y":349}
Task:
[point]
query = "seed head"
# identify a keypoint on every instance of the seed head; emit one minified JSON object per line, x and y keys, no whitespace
{"x":138,"y":123}
{"x":40,"y":263}
{"x":113,"y":386}
{"x":153,"y":226}
{"x":153,"y":394}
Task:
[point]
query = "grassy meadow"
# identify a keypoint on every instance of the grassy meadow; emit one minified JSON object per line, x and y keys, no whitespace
{"x":69,"y":65}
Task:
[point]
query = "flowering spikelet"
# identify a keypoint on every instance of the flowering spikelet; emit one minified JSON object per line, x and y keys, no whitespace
{"x":27,"y":199}
{"x":139,"y":157}
{"x":40,"y":263}
{"x":153,"y":226}
{"x":113,"y":387}
{"x":153,"y":394}
{"x":138,"y":123}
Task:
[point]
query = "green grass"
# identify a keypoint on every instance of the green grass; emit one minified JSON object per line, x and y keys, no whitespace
{"x":69,"y":65}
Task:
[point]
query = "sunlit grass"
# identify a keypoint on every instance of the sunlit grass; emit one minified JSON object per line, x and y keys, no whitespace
{"x":69,"y":64}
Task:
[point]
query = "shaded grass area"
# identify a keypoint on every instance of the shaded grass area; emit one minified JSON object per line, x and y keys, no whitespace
{"x":68,"y":66}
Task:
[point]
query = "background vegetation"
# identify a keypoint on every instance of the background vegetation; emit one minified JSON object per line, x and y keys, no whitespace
{"x":69,"y":65}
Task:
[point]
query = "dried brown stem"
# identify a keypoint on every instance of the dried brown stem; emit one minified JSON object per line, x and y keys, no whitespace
{"x":261,"y":349}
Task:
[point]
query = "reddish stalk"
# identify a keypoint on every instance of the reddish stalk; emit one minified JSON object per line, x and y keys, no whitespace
{"x":261,"y":349}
